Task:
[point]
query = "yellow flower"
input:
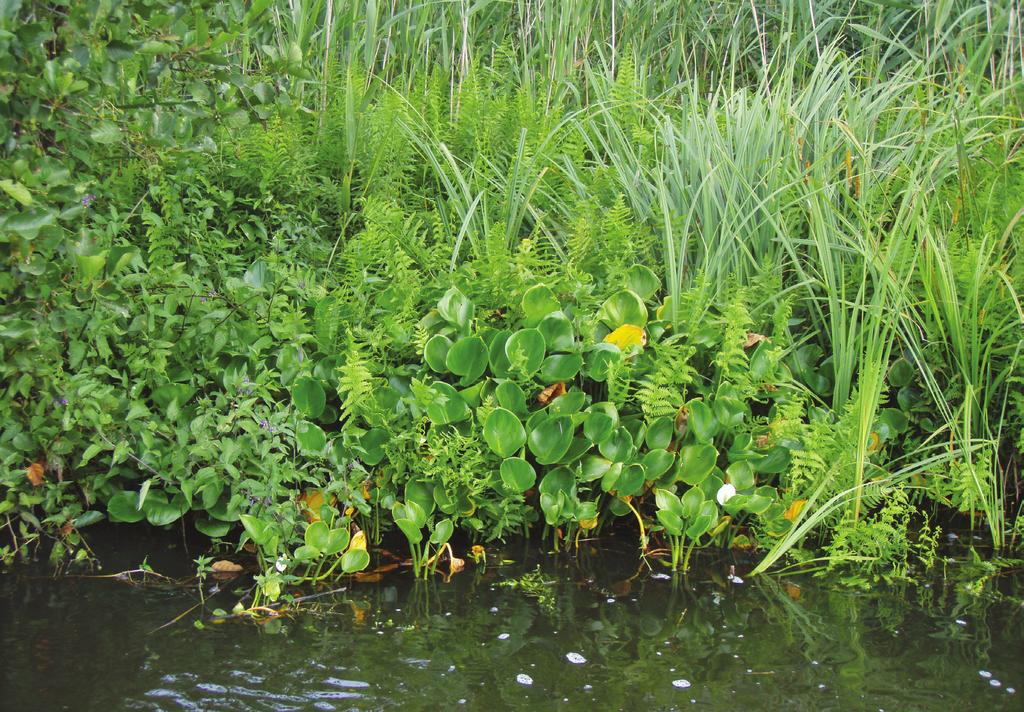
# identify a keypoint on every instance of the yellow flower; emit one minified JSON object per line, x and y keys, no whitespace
{"x":627,"y":336}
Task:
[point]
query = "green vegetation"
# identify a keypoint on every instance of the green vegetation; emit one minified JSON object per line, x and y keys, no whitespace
{"x":709,"y":274}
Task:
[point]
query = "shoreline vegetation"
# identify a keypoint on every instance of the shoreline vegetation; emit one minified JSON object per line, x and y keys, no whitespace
{"x":711,"y":274}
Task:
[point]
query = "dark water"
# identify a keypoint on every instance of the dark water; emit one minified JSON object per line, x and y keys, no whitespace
{"x":645,"y":642}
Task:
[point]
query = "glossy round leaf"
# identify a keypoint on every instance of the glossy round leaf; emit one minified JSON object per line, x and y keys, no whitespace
{"x":740,"y":475}
{"x":311,"y":437}
{"x":599,"y":359}
{"x":504,"y":432}
{"x":618,"y":447}
{"x":121,"y":508}
{"x":594,"y":468}
{"x":435,"y":353}
{"x":568,"y":404}
{"x":317,"y":535}
{"x":443,"y":531}
{"x":643,"y":281}
{"x":631,"y":481}
{"x":671,"y":521}
{"x":372,"y":442}
{"x":309,"y":397}
{"x":657,"y":463}
{"x":449,"y":408}
{"x":696,"y":462}
{"x":538,"y":302}
{"x":550,"y":439}
{"x":560,"y":479}
{"x":659,"y":433}
{"x":511,"y":396}
{"x":702,"y":422}
{"x":496,"y":353}
{"x":557,"y":332}
{"x":355,"y":560}
{"x":623,"y":307}
{"x":602,"y":419}
{"x":517,"y":474}
{"x":525,"y":351}
{"x":560,"y":367}
{"x":467,"y":358}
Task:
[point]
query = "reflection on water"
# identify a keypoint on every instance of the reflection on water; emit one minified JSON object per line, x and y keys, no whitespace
{"x":592,"y":632}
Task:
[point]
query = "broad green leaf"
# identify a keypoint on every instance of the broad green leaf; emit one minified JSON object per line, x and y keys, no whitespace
{"x":106,"y":132}
{"x":538,"y":302}
{"x":355,"y":560}
{"x":560,"y":367}
{"x":525,"y":351}
{"x":317,"y":535}
{"x":696,"y":462}
{"x":309,"y":397}
{"x":435,"y":353}
{"x":517,"y":474}
{"x":17,"y":191}
{"x":504,"y":432}
{"x":550,"y":439}
{"x":643,"y":281}
{"x":511,"y":397}
{"x":311,"y":437}
{"x":467,"y":358}
{"x":701,"y":422}
{"x":557,"y":332}
{"x":121,"y":507}
{"x":443,"y":531}
{"x":659,"y":433}
{"x":623,"y":307}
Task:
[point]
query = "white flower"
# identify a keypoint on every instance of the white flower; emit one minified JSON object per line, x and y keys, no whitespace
{"x":281,"y":564}
{"x":725,"y":493}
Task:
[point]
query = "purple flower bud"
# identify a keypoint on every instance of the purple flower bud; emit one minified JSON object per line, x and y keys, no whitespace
{"x":88,"y":199}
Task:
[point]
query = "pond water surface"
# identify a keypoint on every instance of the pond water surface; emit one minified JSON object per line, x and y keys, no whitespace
{"x":597,"y":631}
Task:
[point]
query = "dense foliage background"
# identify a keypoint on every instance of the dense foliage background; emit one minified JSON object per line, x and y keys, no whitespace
{"x":273,"y":263}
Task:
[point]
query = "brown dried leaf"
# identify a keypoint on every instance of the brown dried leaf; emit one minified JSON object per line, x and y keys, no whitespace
{"x":225,"y":567}
{"x":34,"y":473}
{"x":551,"y":392}
{"x":753,"y":339}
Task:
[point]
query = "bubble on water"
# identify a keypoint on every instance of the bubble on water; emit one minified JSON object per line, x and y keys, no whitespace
{"x":995,"y":683}
{"x":494,"y":609}
{"x":611,"y":600}
{"x":1010,"y":690}
{"x":660,"y":576}
{"x":451,"y":668}
{"x":985,"y":674}
{"x":680,"y":684}
{"x":503,"y":636}
{"x":575,"y":658}
{"x":462,"y":700}
{"x":589,"y":687}
{"x":524,"y":679}
{"x":821,"y":686}
{"x":960,"y":621}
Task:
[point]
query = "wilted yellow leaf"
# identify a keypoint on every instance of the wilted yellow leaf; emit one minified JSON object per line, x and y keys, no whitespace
{"x":456,"y":565}
{"x":225,"y":567}
{"x":34,"y":473}
{"x":876,"y":443}
{"x":794,"y":509}
{"x":626,"y":336}
{"x":358,"y":541}
{"x":588,"y":524}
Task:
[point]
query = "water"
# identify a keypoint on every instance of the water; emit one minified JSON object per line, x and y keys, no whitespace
{"x":594,"y":632}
